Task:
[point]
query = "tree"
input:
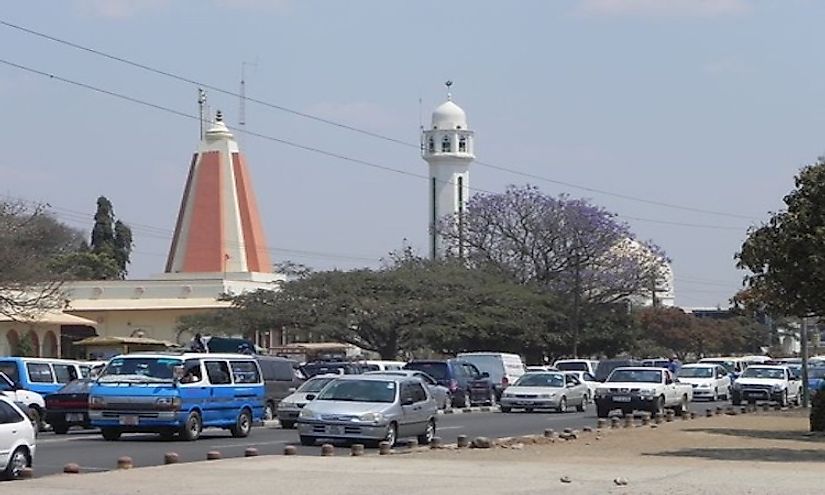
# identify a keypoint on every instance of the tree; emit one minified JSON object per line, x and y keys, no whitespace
{"x":111,"y":238}
{"x":569,"y":247}
{"x":83,"y":264}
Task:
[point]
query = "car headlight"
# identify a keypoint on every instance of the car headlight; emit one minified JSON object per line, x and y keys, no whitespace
{"x":170,"y":403}
{"x":371,"y":418}
{"x":778,"y":387}
{"x":96,"y":402}
{"x":647,"y":391}
{"x":307,"y":414}
{"x":508,"y":395}
{"x":287,"y":405}
{"x":547,"y":396}
{"x":704,"y":385}
{"x":600,"y":393}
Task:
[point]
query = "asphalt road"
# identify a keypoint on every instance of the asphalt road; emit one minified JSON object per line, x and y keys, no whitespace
{"x":92,"y":453}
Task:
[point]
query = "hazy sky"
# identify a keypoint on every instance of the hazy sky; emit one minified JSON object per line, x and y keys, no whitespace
{"x":708,"y":104}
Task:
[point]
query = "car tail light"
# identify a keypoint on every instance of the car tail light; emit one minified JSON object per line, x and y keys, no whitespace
{"x":453,"y":385}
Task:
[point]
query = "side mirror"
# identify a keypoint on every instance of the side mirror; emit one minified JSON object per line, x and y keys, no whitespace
{"x":310,"y":396}
{"x":484,"y":374}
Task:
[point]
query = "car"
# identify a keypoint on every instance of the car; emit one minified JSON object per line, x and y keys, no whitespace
{"x":371,"y":409}
{"x":734,"y":365}
{"x":606,"y":366}
{"x":546,"y":390}
{"x":642,"y":389}
{"x":467,"y":385}
{"x":656,"y":362}
{"x":766,"y":383}
{"x":588,"y":365}
{"x":336,"y":367}
{"x":587,"y":379}
{"x":17,"y":439}
{"x":370,"y":365}
{"x":440,"y":393}
{"x":291,"y":405}
{"x":540,"y":368}
{"x":41,"y":375}
{"x":709,"y":381}
{"x":503,"y":368}
{"x":69,"y":406}
{"x":816,"y":378}
{"x":32,"y":403}
{"x":280,"y":379}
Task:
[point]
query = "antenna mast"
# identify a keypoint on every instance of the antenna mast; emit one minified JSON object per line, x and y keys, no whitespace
{"x":242,"y":94}
{"x":201,"y":103}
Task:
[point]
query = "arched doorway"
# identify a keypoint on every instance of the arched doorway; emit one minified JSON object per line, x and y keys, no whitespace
{"x":34,"y":340}
{"x":12,"y":342}
{"x":50,"y":345}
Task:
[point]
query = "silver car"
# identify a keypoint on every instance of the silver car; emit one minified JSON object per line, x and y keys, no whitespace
{"x":371,"y":409}
{"x":545,"y":390}
{"x":291,"y":405}
{"x":441,"y":394}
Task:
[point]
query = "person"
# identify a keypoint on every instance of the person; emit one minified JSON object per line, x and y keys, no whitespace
{"x":673,"y":364}
{"x":199,"y":344}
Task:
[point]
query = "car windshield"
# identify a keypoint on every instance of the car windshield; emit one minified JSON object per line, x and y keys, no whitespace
{"x":554,"y":380}
{"x":76,"y":387}
{"x":728,"y":365}
{"x":697,"y":372}
{"x":643,"y":376}
{"x":435,"y":370}
{"x":314,"y":385}
{"x":359,"y":391}
{"x":572,"y":366}
{"x":139,"y":370}
{"x":769,"y":373}
{"x":816,"y":373}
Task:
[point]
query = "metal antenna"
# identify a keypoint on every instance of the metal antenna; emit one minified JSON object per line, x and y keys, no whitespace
{"x":242,"y":103}
{"x":201,"y":103}
{"x":448,"y":84}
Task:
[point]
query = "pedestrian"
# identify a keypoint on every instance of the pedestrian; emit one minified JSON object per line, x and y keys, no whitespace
{"x":199,"y":343}
{"x":673,"y":364}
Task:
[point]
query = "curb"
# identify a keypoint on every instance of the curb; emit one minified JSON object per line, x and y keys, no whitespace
{"x":469,"y":410}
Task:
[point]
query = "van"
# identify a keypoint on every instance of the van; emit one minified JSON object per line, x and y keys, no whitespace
{"x":42,"y":375}
{"x":587,"y":365}
{"x":280,"y":380}
{"x":177,"y":394}
{"x":503,"y":368}
{"x":467,"y":384}
{"x":381,"y":365}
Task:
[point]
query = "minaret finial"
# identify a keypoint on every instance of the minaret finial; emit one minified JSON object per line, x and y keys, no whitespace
{"x":449,"y":95}
{"x":218,"y":116}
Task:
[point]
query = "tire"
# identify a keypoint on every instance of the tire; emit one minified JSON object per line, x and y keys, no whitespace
{"x":468,"y":400}
{"x":505,"y":409}
{"x":448,"y":402}
{"x":307,"y":441}
{"x":682,"y":408}
{"x":243,"y":425}
{"x":392,"y":434}
{"x":492,"y":401}
{"x":583,"y":405}
{"x":287,"y":425}
{"x":269,"y":411}
{"x":659,"y":407}
{"x":783,"y":401}
{"x":18,"y":460}
{"x":60,"y":428}
{"x":191,"y":429}
{"x":563,"y":404}
{"x":36,"y":418}
{"x":602,"y":412}
{"x":427,"y":436}
{"x":110,"y":434}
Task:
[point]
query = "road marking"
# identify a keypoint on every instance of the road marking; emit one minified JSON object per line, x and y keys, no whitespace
{"x":67,"y":439}
{"x":247,"y":444}
{"x":450,"y":427}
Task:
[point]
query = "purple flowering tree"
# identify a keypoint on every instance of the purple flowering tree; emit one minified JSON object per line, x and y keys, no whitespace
{"x":572,"y":248}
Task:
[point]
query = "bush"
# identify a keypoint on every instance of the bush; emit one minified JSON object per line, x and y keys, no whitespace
{"x":818,"y":410}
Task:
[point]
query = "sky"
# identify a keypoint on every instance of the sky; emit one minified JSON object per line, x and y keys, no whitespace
{"x":687,"y":118}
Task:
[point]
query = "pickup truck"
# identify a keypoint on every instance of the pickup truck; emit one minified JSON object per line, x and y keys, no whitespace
{"x":642,"y":389}
{"x":766,"y":383}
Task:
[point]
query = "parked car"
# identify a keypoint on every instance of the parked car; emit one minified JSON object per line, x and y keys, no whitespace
{"x":291,"y":405}
{"x":642,"y":389}
{"x":467,"y":385}
{"x":381,"y":365}
{"x":540,"y":368}
{"x":546,"y":390}
{"x":766,"y":383}
{"x":734,"y":365}
{"x":41,"y":375}
{"x":709,"y":381}
{"x":588,"y":365}
{"x":656,"y":363}
{"x":69,"y":406}
{"x":440,"y":393}
{"x":587,"y":379}
{"x":32,"y":403}
{"x":502,"y":368}
{"x":370,"y":408}
{"x":607,"y":366}
{"x":280,"y":380}
{"x":335,"y":367}
{"x":17,"y":439}
{"x":816,"y":378}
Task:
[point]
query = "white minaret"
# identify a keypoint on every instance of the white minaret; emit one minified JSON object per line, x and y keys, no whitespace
{"x":448,"y":149}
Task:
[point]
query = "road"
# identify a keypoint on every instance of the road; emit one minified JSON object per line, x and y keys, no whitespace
{"x":92,"y":453}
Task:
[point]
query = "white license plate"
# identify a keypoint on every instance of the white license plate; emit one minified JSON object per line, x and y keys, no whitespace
{"x":74,"y":417}
{"x":335,"y":430}
{"x":621,"y":398}
{"x":129,"y":420}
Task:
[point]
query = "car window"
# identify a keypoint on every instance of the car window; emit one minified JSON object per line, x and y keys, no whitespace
{"x":192,"y":371}
{"x":572,"y":380}
{"x":426,"y":378}
{"x":588,"y":377}
{"x":245,"y":372}
{"x":64,"y":373}
{"x":218,"y":372}
{"x":10,"y":369}
{"x":438,"y":371}
{"x":418,"y":393}
{"x":40,"y":373}
{"x":471,"y":370}
{"x":8,"y":414}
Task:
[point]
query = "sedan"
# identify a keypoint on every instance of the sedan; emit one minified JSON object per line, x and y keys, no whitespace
{"x":291,"y":405}
{"x":69,"y":406}
{"x":440,"y":393}
{"x":709,"y":381}
{"x":545,"y":390}
{"x":370,"y":409}
{"x":17,"y":440}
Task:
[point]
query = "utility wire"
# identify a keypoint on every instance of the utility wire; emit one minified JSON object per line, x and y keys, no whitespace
{"x":359,"y":130}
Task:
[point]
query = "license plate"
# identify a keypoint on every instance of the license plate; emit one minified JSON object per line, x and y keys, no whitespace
{"x":74,"y":417}
{"x":524,"y":403}
{"x":335,"y":430}
{"x":129,"y":420}
{"x":621,"y":398}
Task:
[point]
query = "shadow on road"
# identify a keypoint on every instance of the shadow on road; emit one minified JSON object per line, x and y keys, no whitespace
{"x":794,"y":435}
{"x":763,"y":454}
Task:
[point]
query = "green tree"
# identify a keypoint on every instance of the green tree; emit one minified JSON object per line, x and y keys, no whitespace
{"x":25,"y":348}
{"x":111,"y":238}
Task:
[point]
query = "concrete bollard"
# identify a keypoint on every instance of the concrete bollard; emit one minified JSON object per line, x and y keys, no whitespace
{"x":463,"y":441}
{"x":436,"y":443}
{"x":71,"y":468}
{"x":26,"y":473}
{"x":213,"y":455}
{"x":766,"y":407}
{"x":482,"y":443}
{"x":628,"y":421}
{"x":718,"y":410}
{"x":670,"y":415}
{"x":601,"y":423}
{"x":685,"y":415}
{"x":384,"y":448}
{"x":614,"y":422}
{"x":646,"y":420}
{"x":708,"y":413}
{"x":124,"y":462}
{"x":170,"y":458}
{"x":743,"y":410}
{"x":327,"y":450}
{"x":657,"y":418}
{"x":250,"y":452}
{"x":357,"y":450}
{"x":692,"y":415}
{"x":290,"y":450}
{"x":587,"y":429}
{"x":549,"y":433}
{"x":777,"y":407}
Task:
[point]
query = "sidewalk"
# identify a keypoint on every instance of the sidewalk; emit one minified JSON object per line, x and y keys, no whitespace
{"x":676,"y":458}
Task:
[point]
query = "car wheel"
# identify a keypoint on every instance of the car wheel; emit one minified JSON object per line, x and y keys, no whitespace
{"x":682,"y":408}
{"x":243,"y":425}
{"x":18,"y":461}
{"x":783,"y":401}
{"x":448,"y":402}
{"x":191,"y":429}
{"x":581,"y":407}
{"x":426,"y":437}
{"x":468,"y":401}
{"x":492,"y":401}
{"x":60,"y":428}
{"x":505,"y":409}
{"x":269,"y":411}
{"x":36,"y":418}
{"x":110,"y":434}
{"x":563,"y":405}
{"x":307,"y":441}
{"x":659,"y":406}
{"x":392,"y":434}
{"x":602,"y":412}
{"x":287,"y":425}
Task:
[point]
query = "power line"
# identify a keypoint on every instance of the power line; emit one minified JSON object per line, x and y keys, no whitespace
{"x":282,"y":108}
{"x":293,"y":144}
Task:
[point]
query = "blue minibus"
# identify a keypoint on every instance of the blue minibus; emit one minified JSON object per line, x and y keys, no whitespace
{"x":42,"y":375}
{"x":177,"y":394}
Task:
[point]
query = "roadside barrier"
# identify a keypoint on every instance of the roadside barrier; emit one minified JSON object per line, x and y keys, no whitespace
{"x":250,"y":452}
{"x":482,"y":443}
{"x":327,"y":450}
{"x":708,"y":413}
{"x":26,"y":473}
{"x":614,"y":422}
{"x":628,"y":421}
{"x":657,"y":418}
{"x":462,"y":441}
{"x":357,"y":449}
{"x":692,"y":414}
{"x":601,"y":423}
{"x":71,"y":468}
{"x":670,"y":415}
{"x":125,"y":462}
{"x":290,"y":450}
{"x":436,"y":443}
{"x":213,"y":455}
{"x":550,"y":433}
{"x":170,"y":458}
{"x":384,"y":448}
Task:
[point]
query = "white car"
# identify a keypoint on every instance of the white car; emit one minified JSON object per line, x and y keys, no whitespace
{"x":17,"y":439}
{"x":642,"y":389}
{"x":587,"y":379}
{"x":588,"y":365}
{"x":34,"y":402}
{"x":709,"y":381}
{"x":546,"y":390}
{"x":766,"y":383}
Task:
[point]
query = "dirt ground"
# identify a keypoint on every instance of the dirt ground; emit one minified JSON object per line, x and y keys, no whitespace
{"x":753,"y":437}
